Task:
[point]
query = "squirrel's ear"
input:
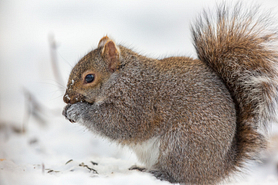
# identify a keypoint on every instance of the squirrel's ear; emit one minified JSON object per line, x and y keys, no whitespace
{"x":103,"y":41}
{"x":111,"y":54}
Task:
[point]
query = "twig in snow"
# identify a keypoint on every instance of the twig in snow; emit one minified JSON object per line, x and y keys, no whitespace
{"x":68,"y":161}
{"x":94,"y":163}
{"x":53,"y":55}
{"x":86,"y":166}
{"x":33,"y":108}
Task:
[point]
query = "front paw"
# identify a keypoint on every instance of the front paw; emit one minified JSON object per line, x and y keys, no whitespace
{"x":65,"y":112}
{"x":74,"y":112}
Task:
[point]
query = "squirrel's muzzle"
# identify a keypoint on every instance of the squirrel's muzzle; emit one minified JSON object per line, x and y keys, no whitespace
{"x":72,"y":98}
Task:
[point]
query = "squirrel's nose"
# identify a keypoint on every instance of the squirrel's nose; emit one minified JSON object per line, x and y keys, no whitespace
{"x":66,"y":98}
{"x":71,"y":97}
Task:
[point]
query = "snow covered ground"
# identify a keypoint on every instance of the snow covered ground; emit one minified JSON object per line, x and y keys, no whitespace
{"x":62,"y":153}
{"x":37,"y":145}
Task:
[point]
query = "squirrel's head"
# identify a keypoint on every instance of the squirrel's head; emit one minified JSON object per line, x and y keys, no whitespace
{"x":91,"y":72}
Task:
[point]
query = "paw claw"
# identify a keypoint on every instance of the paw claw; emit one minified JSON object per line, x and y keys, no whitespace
{"x":72,"y":121}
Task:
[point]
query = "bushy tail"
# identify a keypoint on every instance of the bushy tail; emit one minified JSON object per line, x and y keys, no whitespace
{"x":239,"y":45}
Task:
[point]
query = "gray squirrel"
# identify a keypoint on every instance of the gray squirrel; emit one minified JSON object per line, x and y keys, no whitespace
{"x":192,"y":121}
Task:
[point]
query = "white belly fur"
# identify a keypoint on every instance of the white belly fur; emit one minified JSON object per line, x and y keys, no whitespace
{"x":147,"y":152}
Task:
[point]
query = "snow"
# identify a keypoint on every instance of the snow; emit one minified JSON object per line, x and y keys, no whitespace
{"x":59,"y":152}
{"x":36,"y":141}
{"x":63,"y":153}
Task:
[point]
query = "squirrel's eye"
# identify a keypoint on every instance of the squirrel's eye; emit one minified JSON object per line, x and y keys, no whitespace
{"x":89,"y":78}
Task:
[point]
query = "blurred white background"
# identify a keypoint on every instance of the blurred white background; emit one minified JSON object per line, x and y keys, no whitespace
{"x":154,"y":28}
